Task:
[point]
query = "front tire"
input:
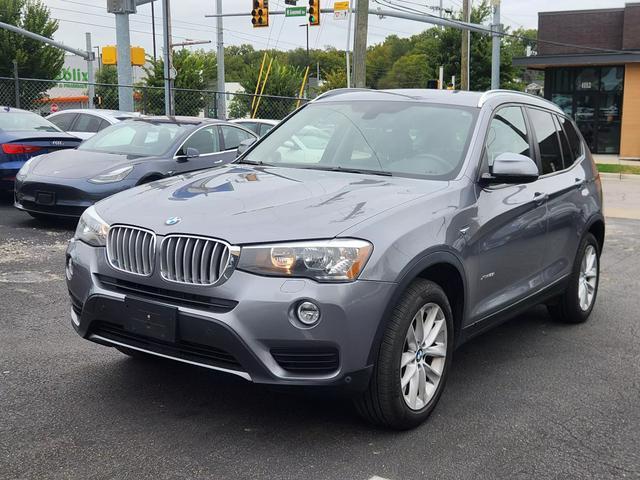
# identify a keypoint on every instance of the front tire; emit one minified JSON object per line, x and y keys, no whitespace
{"x":413,"y":361}
{"x":577,"y":301}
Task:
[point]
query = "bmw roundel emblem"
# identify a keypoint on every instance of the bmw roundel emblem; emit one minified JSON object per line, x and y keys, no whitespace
{"x":172,"y":221}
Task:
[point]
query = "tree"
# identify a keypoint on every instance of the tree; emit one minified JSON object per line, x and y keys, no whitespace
{"x":195,"y":73}
{"x":107,"y":94}
{"x":409,"y":71}
{"x":284,"y":80}
{"x":35,"y":59}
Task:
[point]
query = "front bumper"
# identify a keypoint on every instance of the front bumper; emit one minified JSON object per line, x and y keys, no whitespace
{"x":61,"y":197}
{"x":245,"y":326}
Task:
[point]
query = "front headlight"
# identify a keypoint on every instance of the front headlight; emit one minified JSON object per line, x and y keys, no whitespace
{"x":113,"y":176}
{"x":22,"y":174}
{"x":337,"y":260}
{"x":92,"y":229}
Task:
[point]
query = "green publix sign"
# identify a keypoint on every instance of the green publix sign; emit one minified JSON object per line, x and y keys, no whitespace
{"x":72,"y":75}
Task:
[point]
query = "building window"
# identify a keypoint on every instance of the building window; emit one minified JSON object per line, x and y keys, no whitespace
{"x":587,"y":79}
{"x":593,"y":97}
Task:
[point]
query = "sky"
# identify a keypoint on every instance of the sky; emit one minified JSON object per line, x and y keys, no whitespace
{"x":79,"y":16}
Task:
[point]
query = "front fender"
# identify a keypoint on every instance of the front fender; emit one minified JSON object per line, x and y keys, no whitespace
{"x":430,"y":257}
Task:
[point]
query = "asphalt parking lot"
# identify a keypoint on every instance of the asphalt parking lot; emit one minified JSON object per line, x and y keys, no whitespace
{"x":530,"y":399}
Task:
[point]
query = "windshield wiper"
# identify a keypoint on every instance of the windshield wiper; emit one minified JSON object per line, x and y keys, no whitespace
{"x":354,"y":170}
{"x":252,"y":162}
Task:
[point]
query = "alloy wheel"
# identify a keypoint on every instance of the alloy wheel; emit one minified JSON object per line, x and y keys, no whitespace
{"x":588,"y":279}
{"x":423,"y":356}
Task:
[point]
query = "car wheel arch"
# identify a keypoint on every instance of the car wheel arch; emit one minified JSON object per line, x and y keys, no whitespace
{"x":442,"y":267}
{"x":596,"y":227}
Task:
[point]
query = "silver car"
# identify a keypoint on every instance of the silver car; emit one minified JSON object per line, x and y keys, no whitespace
{"x":425,"y":218}
{"x":84,"y":123}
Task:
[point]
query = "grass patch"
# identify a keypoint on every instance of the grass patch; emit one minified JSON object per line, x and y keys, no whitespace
{"x":615,"y":168}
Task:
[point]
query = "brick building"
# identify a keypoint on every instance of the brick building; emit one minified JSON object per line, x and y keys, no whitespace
{"x":598,"y":86}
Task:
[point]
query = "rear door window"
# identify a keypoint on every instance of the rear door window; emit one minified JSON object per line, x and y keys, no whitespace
{"x":572,"y":136}
{"x":567,"y":154}
{"x":63,"y":121}
{"x":205,"y":140}
{"x":87,"y":123}
{"x":546,"y":132}
{"x":264,"y":128}
{"x":233,"y":136}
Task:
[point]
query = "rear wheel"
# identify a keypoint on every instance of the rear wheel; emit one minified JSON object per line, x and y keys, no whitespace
{"x":577,"y":301}
{"x":413,"y":361}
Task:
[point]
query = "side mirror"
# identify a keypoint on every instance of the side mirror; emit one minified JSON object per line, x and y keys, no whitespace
{"x":191,"y":152}
{"x":244,"y":146}
{"x":290,"y":145}
{"x":512,"y":168}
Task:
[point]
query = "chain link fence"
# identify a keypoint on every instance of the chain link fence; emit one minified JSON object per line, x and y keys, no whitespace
{"x":47,"y":96}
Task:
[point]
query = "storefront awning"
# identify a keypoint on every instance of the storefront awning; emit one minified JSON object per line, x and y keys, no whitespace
{"x":540,"y":62}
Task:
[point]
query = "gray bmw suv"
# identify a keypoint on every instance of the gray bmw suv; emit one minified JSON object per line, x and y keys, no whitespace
{"x":356,"y":245}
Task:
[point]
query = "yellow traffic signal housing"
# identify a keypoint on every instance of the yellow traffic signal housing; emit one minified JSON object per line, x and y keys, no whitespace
{"x":109,"y":55}
{"x":314,"y":13}
{"x":260,"y":13}
{"x":137,"y":56}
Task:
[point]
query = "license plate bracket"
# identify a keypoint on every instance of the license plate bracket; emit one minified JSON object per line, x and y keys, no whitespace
{"x":45,"y":198}
{"x":151,"y":320}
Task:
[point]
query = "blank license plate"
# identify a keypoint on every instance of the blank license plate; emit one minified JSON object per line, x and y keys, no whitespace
{"x":151,"y":320}
{"x":45,"y":198}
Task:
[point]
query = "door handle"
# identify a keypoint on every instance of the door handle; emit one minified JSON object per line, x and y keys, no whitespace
{"x":540,"y":198}
{"x":580,"y":183}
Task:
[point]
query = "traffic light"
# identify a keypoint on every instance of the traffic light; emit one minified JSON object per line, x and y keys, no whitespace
{"x":260,"y":13}
{"x":314,"y":13}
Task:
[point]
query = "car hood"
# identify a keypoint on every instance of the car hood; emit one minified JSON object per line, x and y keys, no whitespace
{"x":72,"y":164}
{"x":244,"y":204}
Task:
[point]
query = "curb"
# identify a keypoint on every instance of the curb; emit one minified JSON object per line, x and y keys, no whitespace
{"x":620,"y":176}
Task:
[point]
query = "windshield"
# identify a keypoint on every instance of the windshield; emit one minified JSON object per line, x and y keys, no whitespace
{"x":401,"y":138}
{"x":25,"y":122}
{"x":133,"y":137}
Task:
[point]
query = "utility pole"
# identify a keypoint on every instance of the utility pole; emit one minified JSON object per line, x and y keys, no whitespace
{"x":168,"y":67}
{"x":465,"y":47}
{"x":122,"y":9}
{"x":222,"y":98}
{"x":153,"y":30}
{"x":91,"y":88}
{"x":360,"y":46}
{"x":348,"y":49}
{"x":496,"y":40}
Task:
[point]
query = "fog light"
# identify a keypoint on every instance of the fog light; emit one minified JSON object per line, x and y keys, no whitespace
{"x":308,"y":313}
{"x":69,"y":269}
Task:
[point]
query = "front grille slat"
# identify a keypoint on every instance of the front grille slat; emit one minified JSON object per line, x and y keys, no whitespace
{"x":131,"y":249}
{"x":196,"y":260}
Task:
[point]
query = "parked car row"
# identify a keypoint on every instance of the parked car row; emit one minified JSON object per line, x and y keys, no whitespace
{"x":62,"y":164}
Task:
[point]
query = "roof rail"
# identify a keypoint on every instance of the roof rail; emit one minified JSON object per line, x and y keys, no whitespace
{"x":485,"y":96}
{"x":339,"y":91}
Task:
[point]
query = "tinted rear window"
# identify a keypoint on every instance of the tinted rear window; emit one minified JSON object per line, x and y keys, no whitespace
{"x":63,"y":121}
{"x":574,"y":139}
{"x":547,"y":136}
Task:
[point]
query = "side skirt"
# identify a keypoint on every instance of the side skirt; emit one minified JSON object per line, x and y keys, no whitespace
{"x":507,"y":313}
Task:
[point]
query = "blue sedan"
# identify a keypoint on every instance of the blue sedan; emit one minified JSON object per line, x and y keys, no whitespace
{"x":24,"y":135}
